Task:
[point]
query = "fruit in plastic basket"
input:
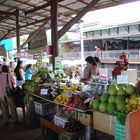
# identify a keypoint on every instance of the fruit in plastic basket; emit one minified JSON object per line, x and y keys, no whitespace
{"x":121,"y":91}
{"x":111,"y":107}
{"x":95,"y":104}
{"x":119,"y":99}
{"x":104,"y":97}
{"x":130,"y":89}
{"x":103,"y":107}
{"x":111,"y":99}
{"x":73,"y":125}
{"x":121,"y":106}
{"x":113,"y":89}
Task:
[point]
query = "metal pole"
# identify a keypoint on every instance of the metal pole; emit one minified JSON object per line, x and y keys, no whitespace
{"x":82,"y":44}
{"x":54,"y":30}
{"x":17,"y":32}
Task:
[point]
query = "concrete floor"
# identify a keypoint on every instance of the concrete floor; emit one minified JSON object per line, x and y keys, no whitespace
{"x":23,"y":131}
{"x":26,"y":131}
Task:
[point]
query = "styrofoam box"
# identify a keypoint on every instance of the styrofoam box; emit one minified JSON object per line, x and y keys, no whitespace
{"x":60,"y":121}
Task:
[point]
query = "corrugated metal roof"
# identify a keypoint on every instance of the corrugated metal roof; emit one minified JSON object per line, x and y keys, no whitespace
{"x":30,"y":21}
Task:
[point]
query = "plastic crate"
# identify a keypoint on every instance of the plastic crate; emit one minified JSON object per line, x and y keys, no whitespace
{"x":43,"y":108}
{"x":121,"y":117}
{"x":120,"y":130}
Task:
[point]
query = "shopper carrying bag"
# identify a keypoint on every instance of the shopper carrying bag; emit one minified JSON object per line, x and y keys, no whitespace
{"x":10,"y":90}
{"x":7,"y":103}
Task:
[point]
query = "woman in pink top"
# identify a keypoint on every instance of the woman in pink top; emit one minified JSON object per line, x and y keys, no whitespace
{"x":7,"y":103}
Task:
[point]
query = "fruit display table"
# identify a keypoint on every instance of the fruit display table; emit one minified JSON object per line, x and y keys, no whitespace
{"x":95,"y":106}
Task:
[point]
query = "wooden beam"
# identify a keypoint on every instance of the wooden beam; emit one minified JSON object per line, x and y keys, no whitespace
{"x":3,"y":1}
{"x":77,"y":18}
{"x":83,"y":2}
{"x":8,"y":13}
{"x":4,"y":17}
{"x":33,"y":23}
{"x":54,"y":29}
{"x":5,"y":35}
{"x":40,"y":7}
{"x":33,"y":34}
{"x":67,"y":8}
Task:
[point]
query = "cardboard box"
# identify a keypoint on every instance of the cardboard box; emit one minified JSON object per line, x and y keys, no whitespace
{"x":86,"y":119}
{"x":103,"y":122}
{"x":60,"y":121}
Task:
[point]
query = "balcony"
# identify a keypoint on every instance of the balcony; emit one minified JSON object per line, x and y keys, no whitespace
{"x":106,"y":56}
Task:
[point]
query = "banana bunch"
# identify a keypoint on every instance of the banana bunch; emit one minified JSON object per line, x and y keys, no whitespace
{"x":65,"y":89}
{"x":132,"y":103}
{"x":62,"y":99}
{"x":76,"y":88}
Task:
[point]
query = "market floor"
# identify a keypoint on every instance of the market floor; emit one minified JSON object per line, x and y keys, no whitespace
{"x":22,"y":131}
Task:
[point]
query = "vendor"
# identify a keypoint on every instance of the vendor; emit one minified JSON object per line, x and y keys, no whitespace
{"x":91,"y":68}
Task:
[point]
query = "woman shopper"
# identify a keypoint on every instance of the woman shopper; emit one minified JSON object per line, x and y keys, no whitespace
{"x":19,"y":73}
{"x":28,"y":72}
{"x":7,"y":103}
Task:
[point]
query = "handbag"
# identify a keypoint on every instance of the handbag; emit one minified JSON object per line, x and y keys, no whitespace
{"x":10,"y":90}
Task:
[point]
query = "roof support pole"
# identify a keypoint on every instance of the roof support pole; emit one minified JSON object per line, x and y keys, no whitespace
{"x":77,"y":18}
{"x":18,"y":32}
{"x":54,"y":29}
{"x":34,"y":33}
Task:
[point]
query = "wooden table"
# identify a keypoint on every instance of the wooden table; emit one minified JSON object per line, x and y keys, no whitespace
{"x":45,"y":123}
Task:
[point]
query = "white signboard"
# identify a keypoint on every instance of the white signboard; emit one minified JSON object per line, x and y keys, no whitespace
{"x":122,"y":79}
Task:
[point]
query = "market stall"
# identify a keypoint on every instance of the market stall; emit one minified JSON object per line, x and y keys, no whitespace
{"x":101,"y":104}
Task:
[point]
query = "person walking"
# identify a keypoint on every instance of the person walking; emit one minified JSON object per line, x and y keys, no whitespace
{"x":7,"y":103}
{"x":19,"y":73}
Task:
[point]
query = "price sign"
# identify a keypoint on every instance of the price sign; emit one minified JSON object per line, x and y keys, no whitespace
{"x":122,"y":79}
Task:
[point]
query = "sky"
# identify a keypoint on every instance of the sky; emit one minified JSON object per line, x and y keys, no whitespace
{"x":126,"y":13}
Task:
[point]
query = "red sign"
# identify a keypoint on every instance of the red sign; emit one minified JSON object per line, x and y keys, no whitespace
{"x":49,"y":49}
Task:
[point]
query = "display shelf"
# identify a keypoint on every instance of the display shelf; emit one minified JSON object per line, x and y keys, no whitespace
{"x":39,"y":96}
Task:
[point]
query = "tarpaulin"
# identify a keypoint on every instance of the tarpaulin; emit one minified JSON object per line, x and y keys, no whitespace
{"x":8,"y":44}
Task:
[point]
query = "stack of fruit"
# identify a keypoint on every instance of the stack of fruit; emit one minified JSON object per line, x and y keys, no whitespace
{"x":42,"y":76}
{"x":119,"y":98}
{"x":77,"y":101}
{"x":73,"y":125}
{"x":68,"y":95}
{"x":62,"y":99}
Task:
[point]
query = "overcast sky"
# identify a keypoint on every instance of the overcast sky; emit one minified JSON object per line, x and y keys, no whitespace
{"x":121,"y":14}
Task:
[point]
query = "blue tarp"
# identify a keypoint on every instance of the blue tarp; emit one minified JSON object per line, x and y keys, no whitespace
{"x":8,"y":44}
